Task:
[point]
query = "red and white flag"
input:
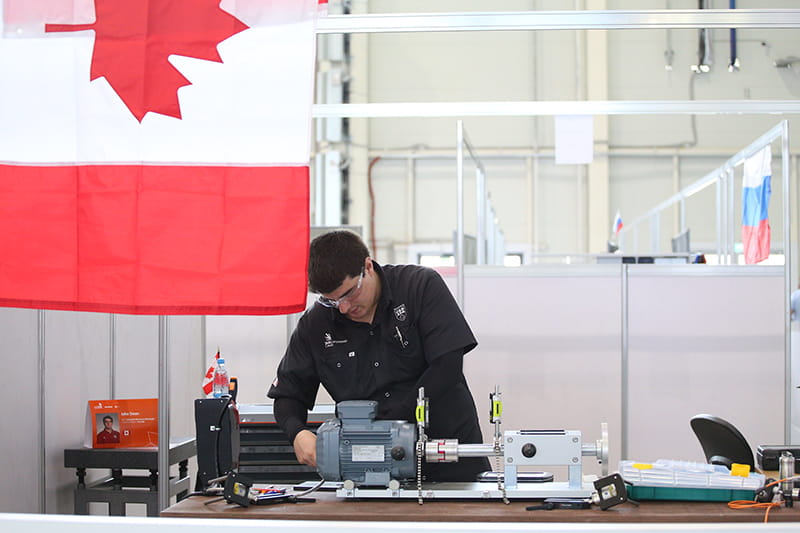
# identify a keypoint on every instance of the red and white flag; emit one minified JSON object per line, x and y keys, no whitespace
{"x":154,"y":155}
{"x":208,"y":379}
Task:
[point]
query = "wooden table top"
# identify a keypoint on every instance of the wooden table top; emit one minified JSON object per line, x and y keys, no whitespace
{"x":328,"y":507}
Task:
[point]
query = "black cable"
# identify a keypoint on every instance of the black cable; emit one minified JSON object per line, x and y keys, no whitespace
{"x":542,"y":507}
{"x":219,"y":431}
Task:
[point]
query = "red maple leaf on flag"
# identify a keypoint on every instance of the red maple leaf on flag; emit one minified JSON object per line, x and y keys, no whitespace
{"x":134,"y":38}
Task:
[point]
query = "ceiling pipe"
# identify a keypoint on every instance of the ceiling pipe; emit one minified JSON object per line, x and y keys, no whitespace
{"x":704,"y":46}
{"x":733,"y":66}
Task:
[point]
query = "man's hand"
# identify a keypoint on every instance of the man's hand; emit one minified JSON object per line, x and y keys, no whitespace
{"x":305,"y":448}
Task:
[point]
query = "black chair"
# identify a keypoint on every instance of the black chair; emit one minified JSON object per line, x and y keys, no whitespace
{"x":722,"y":443}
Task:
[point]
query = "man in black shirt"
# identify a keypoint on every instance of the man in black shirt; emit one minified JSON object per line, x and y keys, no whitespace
{"x":378,"y":333}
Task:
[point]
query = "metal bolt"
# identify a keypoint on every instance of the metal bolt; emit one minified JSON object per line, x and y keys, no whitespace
{"x":510,"y":460}
{"x":574,"y":459}
{"x":510,"y":439}
{"x":574,"y":439}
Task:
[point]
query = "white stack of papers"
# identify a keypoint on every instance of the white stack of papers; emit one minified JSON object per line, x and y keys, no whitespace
{"x":669,"y":473}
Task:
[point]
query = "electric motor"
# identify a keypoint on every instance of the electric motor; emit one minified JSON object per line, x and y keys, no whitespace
{"x":356,"y":447}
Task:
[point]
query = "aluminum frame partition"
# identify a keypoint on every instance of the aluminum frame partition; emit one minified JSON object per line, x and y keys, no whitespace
{"x":41,"y":321}
{"x":554,"y":108}
{"x":560,"y":20}
{"x":462,"y":142}
{"x":163,"y":412}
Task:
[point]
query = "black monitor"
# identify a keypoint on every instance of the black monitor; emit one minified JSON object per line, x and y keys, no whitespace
{"x":680,"y":243}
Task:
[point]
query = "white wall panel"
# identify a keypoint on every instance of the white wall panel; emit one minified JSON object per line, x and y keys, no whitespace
{"x":19,"y":423}
{"x":137,"y":356}
{"x":77,"y":370}
{"x":187,"y":366}
{"x":551,"y":341}
{"x":703,"y":344}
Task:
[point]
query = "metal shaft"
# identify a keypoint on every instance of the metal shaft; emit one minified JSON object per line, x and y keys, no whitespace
{"x":450,"y":451}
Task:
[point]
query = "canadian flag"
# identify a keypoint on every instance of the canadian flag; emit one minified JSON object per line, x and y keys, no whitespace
{"x":208,"y":379}
{"x":154,"y":155}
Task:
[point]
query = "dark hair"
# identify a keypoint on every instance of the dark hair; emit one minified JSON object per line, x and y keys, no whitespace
{"x":108,"y":417}
{"x":333,"y":257}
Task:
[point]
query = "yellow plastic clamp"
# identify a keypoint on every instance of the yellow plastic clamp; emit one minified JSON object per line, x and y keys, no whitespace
{"x":497,"y":409}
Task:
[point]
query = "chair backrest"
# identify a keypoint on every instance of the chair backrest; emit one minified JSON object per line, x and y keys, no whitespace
{"x":722,"y":443}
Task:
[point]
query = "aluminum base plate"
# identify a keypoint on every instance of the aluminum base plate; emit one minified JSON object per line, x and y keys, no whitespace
{"x":482,"y":491}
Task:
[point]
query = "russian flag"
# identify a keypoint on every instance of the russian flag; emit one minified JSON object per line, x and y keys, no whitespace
{"x":154,"y":155}
{"x":756,"y":190}
{"x":616,"y":227}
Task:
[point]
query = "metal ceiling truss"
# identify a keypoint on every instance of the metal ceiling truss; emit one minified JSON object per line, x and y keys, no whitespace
{"x":558,"y":20}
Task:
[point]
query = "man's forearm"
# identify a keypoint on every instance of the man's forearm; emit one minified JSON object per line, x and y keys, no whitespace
{"x":291,"y":415}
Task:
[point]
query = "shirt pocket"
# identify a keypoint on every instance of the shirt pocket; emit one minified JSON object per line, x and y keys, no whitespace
{"x":340,"y":373}
{"x":404,"y":340}
{"x":406,"y":351}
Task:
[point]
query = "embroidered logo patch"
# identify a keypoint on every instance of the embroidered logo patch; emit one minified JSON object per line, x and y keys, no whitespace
{"x":400,"y":312}
{"x":330,"y":341}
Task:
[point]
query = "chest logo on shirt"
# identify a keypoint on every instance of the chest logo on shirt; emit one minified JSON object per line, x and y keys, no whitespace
{"x":330,"y":341}
{"x":400,"y":312}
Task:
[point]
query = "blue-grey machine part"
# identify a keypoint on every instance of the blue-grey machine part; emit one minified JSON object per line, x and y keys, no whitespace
{"x":354,"y":446}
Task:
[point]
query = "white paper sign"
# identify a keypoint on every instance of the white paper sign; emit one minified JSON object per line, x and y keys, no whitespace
{"x":574,"y":139}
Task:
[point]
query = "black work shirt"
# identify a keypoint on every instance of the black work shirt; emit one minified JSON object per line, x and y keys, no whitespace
{"x":416,"y":321}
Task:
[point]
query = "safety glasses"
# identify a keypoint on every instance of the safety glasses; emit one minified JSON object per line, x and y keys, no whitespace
{"x":346,"y":297}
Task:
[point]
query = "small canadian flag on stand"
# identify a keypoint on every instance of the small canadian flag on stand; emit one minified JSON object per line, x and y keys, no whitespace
{"x":208,"y":379}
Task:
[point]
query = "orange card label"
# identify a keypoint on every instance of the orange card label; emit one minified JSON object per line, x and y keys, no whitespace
{"x":122,"y":423}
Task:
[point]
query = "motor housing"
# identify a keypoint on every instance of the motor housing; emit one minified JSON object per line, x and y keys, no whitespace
{"x":355,"y":447}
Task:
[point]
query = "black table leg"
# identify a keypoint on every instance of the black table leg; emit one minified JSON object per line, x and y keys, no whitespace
{"x":81,"y":473}
{"x":116,"y":474}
